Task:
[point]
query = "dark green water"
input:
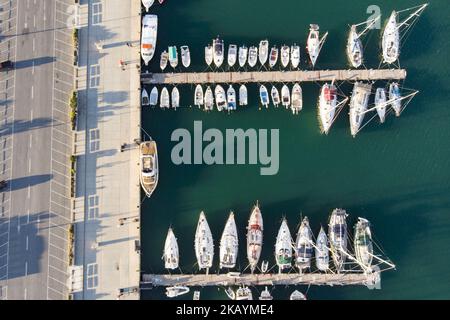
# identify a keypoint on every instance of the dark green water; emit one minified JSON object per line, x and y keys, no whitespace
{"x":397,"y":175}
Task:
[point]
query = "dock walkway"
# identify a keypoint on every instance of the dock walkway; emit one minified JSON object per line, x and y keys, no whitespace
{"x":273,"y":76}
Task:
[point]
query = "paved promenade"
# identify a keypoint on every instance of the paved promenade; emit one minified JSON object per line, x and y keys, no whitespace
{"x":107,"y":202}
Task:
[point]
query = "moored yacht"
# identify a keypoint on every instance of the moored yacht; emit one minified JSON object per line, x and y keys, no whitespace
{"x":147,"y":4}
{"x":254,"y":237}
{"x":264,"y":96}
{"x":175,"y":291}
{"x":295,"y":56}
{"x":171,"y":254}
{"x":297,"y":295}
{"x":198,"y":96}
{"x":232,"y":55}
{"x":275,"y":96}
{"x":175,"y":98}
{"x":149,"y":166}
{"x":229,"y":244}
{"x":243,"y":52}
{"x":218,"y":52}
{"x":358,"y":105}
{"x":154,"y":96}
{"x":244,"y":293}
{"x":203,"y":243}
{"x":165,"y":98}
{"x":173,"y":56}
{"x":337,"y":235}
{"x":148,"y":38}
{"x":285,"y":96}
{"x":321,"y":251}
{"x":231,"y":98}
{"x":304,"y":246}
{"x":185,"y":56}
{"x":243,"y":99}
{"x":208,"y":54}
{"x":263,"y":51}
{"x":363,"y":243}
{"x":221,"y":100}
{"x":380,"y":103}
{"x":252,"y":56}
{"x":284,"y":56}
{"x":144,"y":98}
{"x":164,"y":60}
{"x":394,"y":98}
{"x":297,"y":99}
{"x":273,"y":57}
{"x":209,"y":99}
{"x":265,"y":295}
{"x":354,"y":48}
{"x":283,"y":247}
{"x":315,"y":43}
{"x":327,"y":106}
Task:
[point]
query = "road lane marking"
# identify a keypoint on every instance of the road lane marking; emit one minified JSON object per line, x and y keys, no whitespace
{"x":29,"y":165}
{"x":26,"y":268}
{"x":34,"y":21}
{"x":34,"y":44}
{"x":31,"y":115}
{"x":25,"y":294}
{"x":31,"y":136}
{"x":28,"y":221}
{"x":32,"y":92}
{"x":32,"y":70}
{"x":26,"y":244}
{"x":29,"y":191}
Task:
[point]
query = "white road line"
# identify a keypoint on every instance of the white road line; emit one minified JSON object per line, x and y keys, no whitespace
{"x":32,"y":70}
{"x":29,"y":191}
{"x":34,"y":44}
{"x":34,"y":21}
{"x":28,"y":221}
{"x":31,"y":136}
{"x":32,"y":92}
{"x":29,"y":165}
{"x":26,"y":244}
{"x":31,"y":115}
{"x":26,"y":268}
{"x":25,"y":294}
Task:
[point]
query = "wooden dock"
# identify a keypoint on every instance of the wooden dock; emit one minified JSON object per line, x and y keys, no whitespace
{"x":273,"y":76}
{"x":320,"y":279}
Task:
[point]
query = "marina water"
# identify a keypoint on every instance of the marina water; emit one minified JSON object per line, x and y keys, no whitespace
{"x":397,"y":174}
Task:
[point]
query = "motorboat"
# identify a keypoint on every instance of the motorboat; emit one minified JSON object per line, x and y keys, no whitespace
{"x":275,"y":96}
{"x":231,"y":98}
{"x":265,"y":295}
{"x":285,"y":96}
{"x":243,"y":52}
{"x":362,"y":243}
{"x":196,"y":295}
{"x":380,"y":103}
{"x":218,"y":52}
{"x":297,"y":295}
{"x":304,"y":248}
{"x":173,"y":56}
{"x":283,"y":247}
{"x":264,"y":96}
{"x":149,"y":166}
{"x":175,"y":98}
{"x":315,"y":43}
{"x":154,"y":96}
{"x":203,"y":243}
{"x":244,"y":293}
{"x":252,"y":56}
{"x":185,"y":56}
{"x":144,"y":98}
{"x":232,"y":55}
{"x":198,"y":96}
{"x":327,"y":106}
{"x":264,"y":266}
{"x":208,"y":54}
{"x":243,"y":97}
{"x":263,"y":51}
{"x":147,"y":4}
{"x":230,"y":293}
{"x":337,"y":235}
{"x":175,"y":291}
{"x":165,"y":99}
{"x":273,"y":57}
{"x":221,"y":100}
{"x":321,"y":251}
{"x":284,"y":56}
{"x":254,"y":237}
{"x":149,"y":35}
{"x":297,"y":99}
{"x":209,"y":99}
{"x":358,"y":105}
{"x":395,"y":98}
{"x":295,"y":56}
{"x":229,"y":244}
{"x":164,"y":60}
{"x":171,"y":253}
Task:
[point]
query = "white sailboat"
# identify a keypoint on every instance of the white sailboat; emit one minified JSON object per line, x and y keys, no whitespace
{"x":295,"y":56}
{"x":149,"y":35}
{"x":395,"y":98}
{"x":355,"y":49}
{"x":284,"y":56}
{"x":218,"y":52}
{"x":171,"y":253}
{"x":144,"y":98}
{"x":232,"y":55}
{"x":243,"y":97}
{"x":175,"y":98}
{"x":264,"y":96}
{"x":265,"y":295}
{"x":263,"y":51}
{"x":285,"y":96}
{"x":173,"y":56}
{"x":358,"y":105}
{"x":204,"y":247}
{"x":147,"y":4}
{"x":209,"y":99}
{"x":315,"y":43}
{"x":304,"y":246}
{"x":231,"y":98}
{"x":337,"y":235}
{"x":154,"y":96}
{"x":254,"y":237}
{"x":297,"y":99}
{"x":208,"y":54}
{"x":252,"y":56}
{"x":164,"y":60}
{"x":275,"y":96}
{"x":380,"y":103}
{"x":221,"y":100}
{"x":363,"y":243}
{"x":175,"y":291}
{"x":185,"y":56}
{"x":283,"y":247}
{"x":297,"y":295}
{"x":165,"y":99}
{"x":243,"y":52}
{"x":327,"y":106}
{"x":321,"y":251}
{"x":273,"y":57}
{"x":229,"y":244}
{"x":198,"y":96}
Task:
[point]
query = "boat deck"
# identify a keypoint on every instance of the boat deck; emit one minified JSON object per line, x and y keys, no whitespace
{"x":148,"y":148}
{"x":273,"y":76}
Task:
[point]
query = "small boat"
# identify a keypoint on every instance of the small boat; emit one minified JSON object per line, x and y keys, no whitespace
{"x":209,"y":99}
{"x":275,"y":96}
{"x":148,"y":39}
{"x":283,"y":247}
{"x":264,"y":96}
{"x":171,"y":253}
{"x":363,"y":243}
{"x":265,"y":295}
{"x":380,"y":103}
{"x":252,"y":56}
{"x":273,"y":57}
{"x":244,"y":293}
{"x":208,"y":54}
{"x":176,"y":291}
{"x":173,"y":56}
{"x":149,"y":166}
{"x":354,"y":48}
{"x":221,"y":100}
{"x":264,"y":266}
{"x":284,"y":56}
{"x":198,"y":96}
{"x":263,"y":51}
{"x":315,"y":43}
{"x":232,"y":55}
{"x":304,"y":246}
{"x":231,"y":98}
{"x":230,"y":293}
{"x":295,"y":56}
{"x":185,"y":56}
{"x":144,"y":97}
{"x":175,"y":98}
{"x":285,"y":96}
{"x":218,"y":52}
{"x":297,"y":99}
{"x":337,"y":234}
{"x":297,"y":295}
{"x":327,"y":106}
{"x":204,"y":247}
{"x":154,"y":96}
{"x":394,"y":98}
{"x":165,"y":99}
{"x":229,"y":244}
{"x":243,"y":100}
{"x":164,"y":60}
{"x":147,"y":4}
{"x":196,"y":295}
{"x":321,"y":251}
{"x":358,"y":105}
{"x":243,"y":52}
{"x":254,"y":237}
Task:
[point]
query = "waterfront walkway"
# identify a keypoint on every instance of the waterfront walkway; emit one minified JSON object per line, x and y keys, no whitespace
{"x":273,"y":76}
{"x":107,"y":204}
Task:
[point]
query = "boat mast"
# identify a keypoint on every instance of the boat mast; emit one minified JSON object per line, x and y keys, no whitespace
{"x":369,"y":23}
{"x":387,"y":103}
{"x":412,"y":15}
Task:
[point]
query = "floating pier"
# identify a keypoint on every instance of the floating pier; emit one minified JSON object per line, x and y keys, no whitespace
{"x":273,"y":76}
{"x":371,"y":280}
